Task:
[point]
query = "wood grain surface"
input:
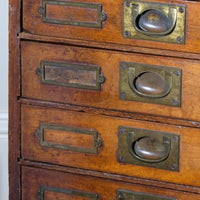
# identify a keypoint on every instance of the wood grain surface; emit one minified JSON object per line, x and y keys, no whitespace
{"x":14,"y":106}
{"x":105,"y":188}
{"x":106,"y":160}
{"x":108,"y":97}
{"x":112,"y":27}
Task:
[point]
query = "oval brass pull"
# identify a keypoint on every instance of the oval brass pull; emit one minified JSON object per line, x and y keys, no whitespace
{"x":150,"y":84}
{"x":155,"y":22}
{"x":148,"y":149}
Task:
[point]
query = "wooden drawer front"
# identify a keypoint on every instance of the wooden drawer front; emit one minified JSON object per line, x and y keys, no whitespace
{"x":86,"y":20}
{"x":47,"y":185}
{"x":73,"y":145}
{"x":98,"y":78}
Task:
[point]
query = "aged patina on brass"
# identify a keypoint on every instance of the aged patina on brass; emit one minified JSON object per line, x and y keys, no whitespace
{"x":164,"y":155}
{"x":101,"y":15}
{"x":96,"y":140}
{"x":154,"y":21}
{"x":71,"y":75}
{"x":44,"y":189}
{"x":130,"y":195}
{"x":151,"y":84}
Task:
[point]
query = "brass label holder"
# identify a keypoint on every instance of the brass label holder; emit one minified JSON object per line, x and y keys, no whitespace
{"x":44,"y":189}
{"x":130,"y":195}
{"x":125,"y":155}
{"x":130,"y":71}
{"x":56,"y":72}
{"x":101,"y":15}
{"x":133,"y":9}
{"x":96,"y":140}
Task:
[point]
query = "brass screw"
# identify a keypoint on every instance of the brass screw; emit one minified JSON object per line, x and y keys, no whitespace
{"x":181,"y":10}
{"x":122,"y":131}
{"x":173,"y":166}
{"x":123,"y":95}
{"x":179,"y":39}
{"x":127,"y":4}
{"x":121,"y":158}
{"x":127,"y":33}
{"x":175,"y":102}
{"x":40,"y":10}
{"x":177,"y":73}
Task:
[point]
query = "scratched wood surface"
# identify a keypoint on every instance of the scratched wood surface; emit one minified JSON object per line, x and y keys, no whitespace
{"x":112,"y":27}
{"x":105,"y":188}
{"x":108,"y":97}
{"x":106,"y":160}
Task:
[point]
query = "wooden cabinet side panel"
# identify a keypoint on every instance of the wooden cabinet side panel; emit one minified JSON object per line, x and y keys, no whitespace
{"x":14,"y":92}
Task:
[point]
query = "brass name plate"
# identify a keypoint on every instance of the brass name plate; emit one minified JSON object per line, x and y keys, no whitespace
{"x":148,"y":148}
{"x":68,"y":138}
{"x":72,"y":13}
{"x":130,"y":195}
{"x":150,"y":84}
{"x":71,"y":75}
{"x":154,"y":21}
{"x":64,"y":193}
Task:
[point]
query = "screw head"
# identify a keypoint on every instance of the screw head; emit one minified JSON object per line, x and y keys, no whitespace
{"x":175,"y":139}
{"x":175,"y":102}
{"x":177,"y":73}
{"x":123,"y":95}
{"x":40,"y":10}
{"x":121,"y":158}
{"x":127,"y":33}
{"x":179,"y":39}
{"x":102,"y":79}
{"x":123,"y":66}
{"x":173,"y":167}
{"x":122,"y":130}
{"x":181,"y":10}
{"x":127,"y":4}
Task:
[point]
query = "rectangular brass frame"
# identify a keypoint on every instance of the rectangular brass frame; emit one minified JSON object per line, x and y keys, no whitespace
{"x":177,"y":36}
{"x":99,"y":75}
{"x":172,"y":161}
{"x":98,"y":7}
{"x":43,"y":189}
{"x":126,"y":93}
{"x":130,"y":195}
{"x":93,"y":133}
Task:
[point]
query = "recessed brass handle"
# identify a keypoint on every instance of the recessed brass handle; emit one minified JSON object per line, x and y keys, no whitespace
{"x":150,"y":84}
{"x":148,"y":149}
{"x":154,"y":22}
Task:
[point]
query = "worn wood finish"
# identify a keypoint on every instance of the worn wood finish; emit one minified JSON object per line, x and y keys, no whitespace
{"x":107,"y":128}
{"x":105,"y":188}
{"x":108,"y":97}
{"x":112,"y":27}
{"x":113,"y":113}
{"x":14,"y":106}
{"x":108,"y":46}
{"x":114,"y":177}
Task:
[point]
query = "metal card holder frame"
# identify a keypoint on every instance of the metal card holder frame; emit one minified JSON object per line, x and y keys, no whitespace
{"x":100,"y":78}
{"x":96,"y":140}
{"x":101,"y":15}
{"x":43,"y":189}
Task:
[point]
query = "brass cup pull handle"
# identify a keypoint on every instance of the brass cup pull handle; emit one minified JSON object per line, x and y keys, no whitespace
{"x":150,"y":84}
{"x":148,"y":149}
{"x":154,"y":22}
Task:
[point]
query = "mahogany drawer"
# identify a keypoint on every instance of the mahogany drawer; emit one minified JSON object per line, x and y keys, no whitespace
{"x":54,"y":18}
{"x":99,"y":78}
{"x":98,"y":143}
{"x":46,"y":185}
